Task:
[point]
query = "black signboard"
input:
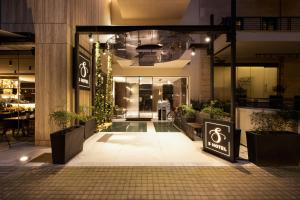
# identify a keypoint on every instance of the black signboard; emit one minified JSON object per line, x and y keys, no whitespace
{"x":84,"y":71}
{"x":218,"y":139}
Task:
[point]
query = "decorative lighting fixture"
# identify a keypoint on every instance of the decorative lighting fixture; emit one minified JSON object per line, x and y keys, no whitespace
{"x":91,"y":39}
{"x":24,"y":158}
{"x":10,"y":63}
{"x":193,"y":53}
{"x":207,"y":39}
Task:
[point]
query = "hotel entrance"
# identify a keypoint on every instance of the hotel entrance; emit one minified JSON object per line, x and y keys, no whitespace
{"x":148,"y":97}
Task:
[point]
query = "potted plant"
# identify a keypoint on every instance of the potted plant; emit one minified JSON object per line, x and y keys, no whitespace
{"x":272,"y":140}
{"x":215,"y":109}
{"x":68,"y":141}
{"x":276,"y":101}
{"x":189,"y":114}
{"x":88,"y":121}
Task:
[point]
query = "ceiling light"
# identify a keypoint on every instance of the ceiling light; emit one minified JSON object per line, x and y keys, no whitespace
{"x":207,"y":39}
{"x":24,"y":158}
{"x":193,"y":53}
{"x":91,"y":39}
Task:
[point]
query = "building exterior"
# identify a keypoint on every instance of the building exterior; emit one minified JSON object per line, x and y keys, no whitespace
{"x":267,"y":48}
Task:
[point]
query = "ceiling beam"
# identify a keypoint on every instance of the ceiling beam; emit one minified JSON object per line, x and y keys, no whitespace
{"x":175,"y":28}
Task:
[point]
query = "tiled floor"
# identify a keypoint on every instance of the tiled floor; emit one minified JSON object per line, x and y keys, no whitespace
{"x":139,"y":183}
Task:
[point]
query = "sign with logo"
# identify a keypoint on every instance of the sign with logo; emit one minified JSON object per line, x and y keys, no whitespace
{"x":218,"y":139}
{"x":84,"y":72}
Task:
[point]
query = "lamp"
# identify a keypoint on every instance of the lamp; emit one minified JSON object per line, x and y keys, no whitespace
{"x":91,"y":39}
{"x":207,"y":39}
{"x":193,"y":53}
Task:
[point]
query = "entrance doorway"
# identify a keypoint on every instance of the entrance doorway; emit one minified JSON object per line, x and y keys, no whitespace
{"x":141,"y":97}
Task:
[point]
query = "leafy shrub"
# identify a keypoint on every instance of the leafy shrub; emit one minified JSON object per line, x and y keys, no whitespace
{"x":216,"y":110}
{"x":188,"y":111}
{"x":63,"y":118}
{"x":276,"y":121}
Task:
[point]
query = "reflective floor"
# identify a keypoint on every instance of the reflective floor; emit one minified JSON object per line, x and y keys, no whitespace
{"x":165,"y":127}
{"x":127,"y":127}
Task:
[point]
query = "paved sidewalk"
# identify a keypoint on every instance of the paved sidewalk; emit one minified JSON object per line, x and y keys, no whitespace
{"x":184,"y":183}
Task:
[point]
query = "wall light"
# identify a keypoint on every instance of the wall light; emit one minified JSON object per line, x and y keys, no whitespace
{"x":193,"y":53}
{"x":207,"y":39}
{"x":91,"y":39}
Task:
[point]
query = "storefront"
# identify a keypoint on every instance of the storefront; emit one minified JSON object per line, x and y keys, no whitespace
{"x":142,"y":97}
{"x":17,"y":93}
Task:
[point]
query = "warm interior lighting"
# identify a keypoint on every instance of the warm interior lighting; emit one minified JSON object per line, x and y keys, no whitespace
{"x":193,"y":53}
{"x":207,"y":39}
{"x":24,"y":158}
{"x":91,"y":39}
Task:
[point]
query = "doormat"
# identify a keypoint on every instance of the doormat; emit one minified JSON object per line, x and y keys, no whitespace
{"x":138,"y":119}
{"x":43,"y":158}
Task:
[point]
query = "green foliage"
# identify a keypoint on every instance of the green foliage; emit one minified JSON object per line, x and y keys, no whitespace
{"x":274,"y":121}
{"x":197,"y":105}
{"x":104,"y":86}
{"x":188,"y":111}
{"x":216,"y":110}
{"x":85,"y":113}
{"x":63,"y":118}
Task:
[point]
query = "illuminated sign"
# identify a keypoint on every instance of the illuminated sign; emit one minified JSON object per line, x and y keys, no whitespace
{"x":218,"y":139}
{"x":84,"y":72}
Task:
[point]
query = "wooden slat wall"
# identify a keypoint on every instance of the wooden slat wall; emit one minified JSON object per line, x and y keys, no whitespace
{"x":53,"y":22}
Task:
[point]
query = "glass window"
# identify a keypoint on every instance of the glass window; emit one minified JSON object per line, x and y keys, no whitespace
{"x":17,"y":95}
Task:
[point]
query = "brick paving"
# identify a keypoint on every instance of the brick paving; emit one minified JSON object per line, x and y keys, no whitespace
{"x":182,"y":183}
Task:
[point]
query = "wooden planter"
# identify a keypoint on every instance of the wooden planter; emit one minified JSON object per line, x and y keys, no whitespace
{"x":90,"y":127}
{"x":273,"y":148}
{"x":66,"y":144}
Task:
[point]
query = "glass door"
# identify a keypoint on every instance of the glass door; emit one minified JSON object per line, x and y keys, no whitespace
{"x":132,"y":97}
{"x":145,"y":97}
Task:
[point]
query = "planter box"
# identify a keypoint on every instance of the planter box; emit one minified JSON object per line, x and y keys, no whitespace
{"x":66,"y":144}
{"x":273,"y":148}
{"x":90,"y":127}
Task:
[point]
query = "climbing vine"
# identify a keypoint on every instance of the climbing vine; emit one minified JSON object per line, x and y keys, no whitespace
{"x":104,"y":86}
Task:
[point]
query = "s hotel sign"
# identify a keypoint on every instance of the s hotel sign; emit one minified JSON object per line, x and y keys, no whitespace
{"x":84,"y":71}
{"x":218,"y":139}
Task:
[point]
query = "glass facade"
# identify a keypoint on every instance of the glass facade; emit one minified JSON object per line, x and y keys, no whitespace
{"x":142,"y":97}
{"x":17,"y":95}
{"x":253,"y":82}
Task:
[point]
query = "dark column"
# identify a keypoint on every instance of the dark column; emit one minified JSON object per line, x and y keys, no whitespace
{"x":76,"y":72}
{"x":93,"y":76}
{"x":233,"y":59}
{"x":212,"y":59}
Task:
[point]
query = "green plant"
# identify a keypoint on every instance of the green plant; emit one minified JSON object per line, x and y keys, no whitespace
{"x":63,"y":118}
{"x":197,"y":104}
{"x":188,"y":111}
{"x":104,"y":86}
{"x":274,"y":121}
{"x":215,"y":109}
{"x":85,"y":113}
